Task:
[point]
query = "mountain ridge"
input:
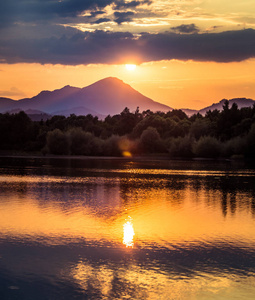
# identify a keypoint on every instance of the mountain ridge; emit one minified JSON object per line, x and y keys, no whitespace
{"x":241,"y":102}
{"x":108,"y":96}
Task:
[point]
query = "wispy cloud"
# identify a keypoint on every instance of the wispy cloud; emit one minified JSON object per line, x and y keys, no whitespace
{"x":13,"y":92}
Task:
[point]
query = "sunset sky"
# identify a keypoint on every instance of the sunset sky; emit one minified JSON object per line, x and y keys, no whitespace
{"x":189,"y":53}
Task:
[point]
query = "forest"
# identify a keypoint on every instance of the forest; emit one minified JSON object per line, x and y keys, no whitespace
{"x":229,"y":133}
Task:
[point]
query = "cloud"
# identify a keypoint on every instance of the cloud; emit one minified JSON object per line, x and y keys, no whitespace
{"x":12,"y":92}
{"x":121,"y":4}
{"x":121,"y":17}
{"x":116,"y":47}
{"x":212,"y":28}
{"x":186,"y":28}
{"x":94,"y":14}
{"x":13,"y":11}
{"x":52,"y":12}
{"x":102,"y":20}
{"x":225,"y":46}
{"x":34,"y":11}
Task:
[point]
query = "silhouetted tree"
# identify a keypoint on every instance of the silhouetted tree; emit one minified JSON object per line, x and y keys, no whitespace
{"x":151,"y":140}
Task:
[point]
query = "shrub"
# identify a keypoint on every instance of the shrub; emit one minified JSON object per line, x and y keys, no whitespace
{"x":207,"y":146}
{"x":97,"y":146}
{"x":57,"y":142}
{"x":235,"y":146}
{"x":80,"y":141}
{"x":111,"y":146}
{"x":250,"y":150}
{"x":181,"y":146}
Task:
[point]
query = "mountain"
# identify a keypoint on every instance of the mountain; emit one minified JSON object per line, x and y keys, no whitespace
{"x":47,"y":101}
{"x":189,"y":112}
{"x":34,"y":115}
{"x":78,"y":111}
{"x":5,"y":103}
{"x":107,"y":96}
{"x":241,"y":102}
{"x":111,"y":96}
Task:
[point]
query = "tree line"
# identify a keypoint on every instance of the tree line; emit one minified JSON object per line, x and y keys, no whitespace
{"x":226,"y":133}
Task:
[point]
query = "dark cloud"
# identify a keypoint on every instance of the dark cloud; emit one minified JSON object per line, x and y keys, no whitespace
{"x":121,"y":17}
{"x":60,"y":12}
{"x":225,"y":46}
{"x":94,"y":14}
{"x":122,"y":4}
{"x":212,"y":28}
{"x":102,"y":20}
{"x":13,"y":11}
{"x":81,"y":48}
{"x":186,"y":28}
{"x":116,"y":47}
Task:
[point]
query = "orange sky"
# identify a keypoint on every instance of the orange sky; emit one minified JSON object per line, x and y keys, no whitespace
{"x":53,"y":48}
{"x":175,"y":83}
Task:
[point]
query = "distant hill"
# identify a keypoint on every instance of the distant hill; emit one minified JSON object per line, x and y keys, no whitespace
{"x":241,"y":102}
{"x":189,"y":112}
{"x":78,"y":111}
{"x":6,"y":103}
{"x":107,"y":96}
{"x":34,"y":115}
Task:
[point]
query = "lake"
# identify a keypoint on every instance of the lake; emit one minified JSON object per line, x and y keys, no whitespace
{"x":126,"y":229}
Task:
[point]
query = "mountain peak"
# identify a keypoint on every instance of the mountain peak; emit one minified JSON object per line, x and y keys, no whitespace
{"x":108,"y":81}
{"x":107,"y":96}
{"x":111,"y":79}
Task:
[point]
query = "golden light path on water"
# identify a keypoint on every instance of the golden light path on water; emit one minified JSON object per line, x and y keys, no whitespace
{"x":128,"y":233}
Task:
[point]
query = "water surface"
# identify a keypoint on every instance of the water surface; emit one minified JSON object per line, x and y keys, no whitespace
{"x":123,"y":229}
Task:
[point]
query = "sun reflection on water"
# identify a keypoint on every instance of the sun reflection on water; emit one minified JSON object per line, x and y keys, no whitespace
{"x":128,"y":233}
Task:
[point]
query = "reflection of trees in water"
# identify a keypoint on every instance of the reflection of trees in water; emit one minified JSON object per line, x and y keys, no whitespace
{"x":253,"y":204}
{"x":145,"y":189}
{"x":101,"y":190}
{"x":99,"y":194}
{"x":18,"y":190}
{"x":224,"y":203}
{"x":236,"y":194}
{"x":233,"y":202}
{"x":232,"y":192}
{"x":22,"y":189}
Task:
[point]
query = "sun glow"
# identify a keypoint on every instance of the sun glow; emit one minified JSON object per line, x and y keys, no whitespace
{"x":130,"y":67}
{"x":128,"y":237}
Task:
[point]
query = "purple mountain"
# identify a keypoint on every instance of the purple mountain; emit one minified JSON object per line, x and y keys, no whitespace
{"x":241,"y":102}
{"x":107,"y":96}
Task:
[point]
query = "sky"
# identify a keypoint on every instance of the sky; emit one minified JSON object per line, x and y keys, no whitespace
{"x":188,"y":53}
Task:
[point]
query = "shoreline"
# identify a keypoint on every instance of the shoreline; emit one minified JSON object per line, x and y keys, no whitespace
{"x":132,"y":158}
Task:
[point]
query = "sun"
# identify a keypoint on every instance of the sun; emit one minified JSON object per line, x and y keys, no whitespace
{"x":130,"y":67}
